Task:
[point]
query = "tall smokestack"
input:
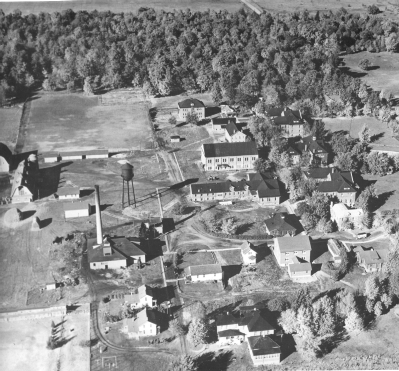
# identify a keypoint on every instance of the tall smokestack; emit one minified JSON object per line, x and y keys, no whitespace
{"x":98,"y":216}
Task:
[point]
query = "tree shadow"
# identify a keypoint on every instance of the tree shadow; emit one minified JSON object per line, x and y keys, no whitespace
{"x":334,"y":341}
{"x":50,"y":179}
{"x":375,"y":137}
{"x":45,"y":222}
{"x":381,"y":200}
{"x":27,"y":214}
{"x":210,"y":111}
{"x":86,"y":192}
{"x":230,"y":271}
{"x":212,"y":361}
{"x":352,"y":73}
{"x":373,"y":68}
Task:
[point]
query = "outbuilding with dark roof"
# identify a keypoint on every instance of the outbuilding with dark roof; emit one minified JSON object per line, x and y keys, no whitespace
{"x":263,"y":350}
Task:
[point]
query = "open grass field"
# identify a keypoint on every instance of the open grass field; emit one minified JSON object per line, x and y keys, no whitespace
{"x":23,"y":344}
{"x":384,"y":140}
{"x":61,"y":122}
{"x":199,"y":5}
{"x":9,"y":127}
{"x":384,"y":73}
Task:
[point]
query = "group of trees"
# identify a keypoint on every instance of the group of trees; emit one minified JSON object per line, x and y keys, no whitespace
{"x":241,"y":55}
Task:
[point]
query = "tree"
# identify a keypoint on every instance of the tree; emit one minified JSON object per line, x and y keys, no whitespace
{"x":364,"y":134}
{"x":378,"y":163}
{"x":197,"y":331}
{"x":216,"y":93}
{"x":372,"y":288}
{"x":367,"y":199}
{"x":364,"y":64}
{"x":176,"y":328}
{"x":340,"y":143}
{"x":51,"y":343}
{"x":302,"y":299}
{"x":288,"y":321}
{"x":143,"y":231}
{"x":378,"y":308}
{"x":373,"y":9}
{"x":262,"y":165}
{"x":229,"y":226}
{"x":324,"y":226}
{"x":277,"y":304}
{"x":70,"y":86}
{"x":183,"y":363}
{"x":345,"y":161}
{"x":354,"y":322}
{"x":88,"y":90}
{"x":318,"y":129}
{"x":192,"y":118}
{"x":172,"y":120}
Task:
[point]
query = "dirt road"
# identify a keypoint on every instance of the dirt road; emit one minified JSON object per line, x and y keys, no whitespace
{"x":171,"y":166}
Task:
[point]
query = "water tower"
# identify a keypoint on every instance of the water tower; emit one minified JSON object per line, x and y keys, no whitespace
{"x":127,"y":176}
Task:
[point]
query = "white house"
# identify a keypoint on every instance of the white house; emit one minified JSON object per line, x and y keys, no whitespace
{"x":219,"y":123}
{"x":68,"y":193}
{"x":227,"y":111}
{"x":76,"y":209}
{"x":286,"y":248}
{"x":233,"y":134}
{"x":263,"y":350}
{"x":334,"y":247}
{"x":229,"y":156}
{"x":299,"y":270}
{"x":206,"y":272}
{"x":145,"y":297}
{"x":146,"y":323}
{"x":340,"y":213}
{"x":248,"y":253}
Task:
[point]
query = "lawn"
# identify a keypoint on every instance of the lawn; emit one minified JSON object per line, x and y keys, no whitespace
{"x":384,"y":139}
{"x":23,"y":344}
{"x":230,"y":257}
{"x":197,"y":258}
{"x":60,"y":122}
{"x":9,"y":128}
{"x":384,"y":73}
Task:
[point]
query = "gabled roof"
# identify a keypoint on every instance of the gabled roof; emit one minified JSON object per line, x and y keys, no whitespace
{"x":227,"y":333}
{"x":297,"y":266}
{"x":335,"y":186}
{"x":226,"y":319}
{"x":264,"y":184}
{"x":217,"y":187}
{"x":319,"y":172}
{"x":191,"y":102}
{"x":230,"y":149}
{"x":312,"y":144}
{"x":82,"y":205}
{"x":143,"y":317}
{"x":281,"y":222}
{"x":246,"y":248}
{"x":196,"y":270}
{"x":232,"y":128}
{"x":262,"y":345}
{"x":255,"y":322}
{"x":292,"y":151}
{"x":289,"y":244}
{"x":370,"y":257}
{"x":68,"y":191}
{"x":275,"y":111}
{"x":126,"y":247}
{"x":21,"y":179}
{"x":142,"y":291}
{"x":223,"y":120}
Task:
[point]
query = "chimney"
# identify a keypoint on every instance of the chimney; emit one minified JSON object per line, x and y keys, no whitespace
{"x":333,"y":170}
{"x":98,"y":216}
{"x":314,"y":138}
{"x":306,"y":147}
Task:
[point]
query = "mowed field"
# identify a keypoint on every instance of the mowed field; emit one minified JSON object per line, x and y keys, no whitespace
{"x":384,"y":73}
{"x":73,"y":122}
{"x":118,"y":6}
{"x":384,"y":139}
{"x":9,"y":125}
{"x":23,"y":344}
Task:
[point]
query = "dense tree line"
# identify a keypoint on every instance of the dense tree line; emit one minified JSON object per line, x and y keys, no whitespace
{"x":285,"y":58}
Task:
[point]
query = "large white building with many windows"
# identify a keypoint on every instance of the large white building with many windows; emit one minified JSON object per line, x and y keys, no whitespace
{"x":229,"y":156}
{"x":191,"y":106}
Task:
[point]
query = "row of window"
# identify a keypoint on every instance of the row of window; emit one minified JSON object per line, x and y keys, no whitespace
{"x":231,"y":159}
{"x":267,"y":356}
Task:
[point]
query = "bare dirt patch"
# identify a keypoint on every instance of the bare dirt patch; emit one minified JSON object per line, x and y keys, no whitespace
{"x":9,"y":128}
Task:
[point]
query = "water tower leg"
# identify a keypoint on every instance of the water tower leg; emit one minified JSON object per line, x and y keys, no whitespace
{"x":134,"y":196}
{"x":123,"y":192}
{"x":128,"y":193}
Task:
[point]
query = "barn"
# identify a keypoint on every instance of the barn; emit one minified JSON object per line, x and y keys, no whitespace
{"x":68,"y":193}
{"x":24,"y":186}
{"x":76,"y":209}
{"x":5,"y":158}
{"x":77,"y":155}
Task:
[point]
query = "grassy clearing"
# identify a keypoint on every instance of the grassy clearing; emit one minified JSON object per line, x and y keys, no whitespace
{"x":384,"y":140}
{"x":9,"y":128}
{"x":387,"y":189}
{"x":197,"y":258}
{"x":231,"y":257}
{"x":23,"y":345}
{"x":384,"y":73}
{"x":75,"y":122}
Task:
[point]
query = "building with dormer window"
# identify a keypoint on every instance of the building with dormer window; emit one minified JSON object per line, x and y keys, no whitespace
{"x":191,"y":106}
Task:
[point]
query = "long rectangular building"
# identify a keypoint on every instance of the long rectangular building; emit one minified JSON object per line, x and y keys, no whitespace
{"x":229,"y":156}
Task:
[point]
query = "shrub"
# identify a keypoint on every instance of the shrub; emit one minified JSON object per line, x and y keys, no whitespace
{"x":51,"y":344}
{"x":373,"y":9}
{"x":85,"y":343}
{"x":364,"y":64}
{"x":278,"y":304}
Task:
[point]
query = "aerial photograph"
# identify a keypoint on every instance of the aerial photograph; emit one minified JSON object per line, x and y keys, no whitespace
{"x":199,"y":185}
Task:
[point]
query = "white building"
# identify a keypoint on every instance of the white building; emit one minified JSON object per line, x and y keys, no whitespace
{"x":75,"y":155}
{"x":248,"y":254}
{"x":95,"y":153}
{"x":340,"y":213}
{"x":146,"y":323}
{"x":233,"y":134}
{"x":263,"y":350}
{"x":229,"y":156}
{"x":51,"y":157}
{"x":299,"y":270}
{"x":68,"y":193}
{"x":191,"y":106}
{"x":145,"y":297}
{"x":286,"y":248}
{"x":206,"y":272}
{"x":76,"y":209}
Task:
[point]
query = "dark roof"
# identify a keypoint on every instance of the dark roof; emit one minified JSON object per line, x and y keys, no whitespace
{"x":300,"y":267}
{"x":259,"y":183}
{"x":281,"y":222}
{"x":313,"y":145}
{"x":255,"y":322}
{"x":275,"y":111}
{"x":223,"y":120}
{"x":190,"y":102}
{"x":287,"y":244}
{"x":226,"y":319}
{"x":68,"y":191}
{"x":262,"y":345}
{"x":292,"y":151}
{"x":50,"y":154}
{"x":196,"y":270}
{"x":230,"y":149}
{"x":76,"y":205}
{"x":96,"y":152}
{"x":72,"y":153}
{"x":226,"y":333}
{"x":335,"y":186}
{"x":175,"y":136}
{"x":6,"y":153}
{"x":122,"y":248}
{"x":318,"y":172}
{"x":231,"y":128}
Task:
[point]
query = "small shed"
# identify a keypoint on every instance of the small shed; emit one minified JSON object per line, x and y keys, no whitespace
{"x":51,"y":286}
{"x":96,"y":153}
{"x":175,"y":138}
{"x":68,"y":193}
{"x":51,"y":157}
{"x":76,"y":209}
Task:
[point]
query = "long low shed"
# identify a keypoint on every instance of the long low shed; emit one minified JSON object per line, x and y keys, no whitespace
{"x":76,"y":209}
{"x":81,"y":155}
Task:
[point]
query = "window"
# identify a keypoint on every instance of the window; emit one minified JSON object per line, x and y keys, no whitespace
{"x":232,"y":159}
{"x":225,"y":160}
{"x":253,"y":158}
{"x":209,"y":161}
{"x":94,"y":264}
{"x":204,"y":275}
{"x":217,"y":160}
{"x":245,"y":158}
{"x":239,"y":159}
